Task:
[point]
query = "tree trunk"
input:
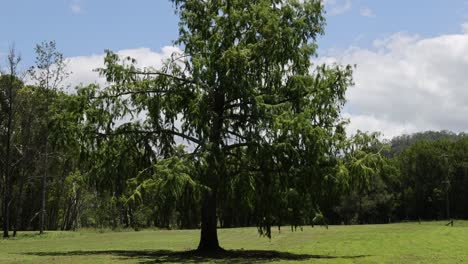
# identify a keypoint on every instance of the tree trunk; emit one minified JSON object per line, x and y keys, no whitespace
{"x":5,"y":212}
{"x":6,"y":203}
{"x":209,"y":233}
{"x":8,"y":188}
{"x":44,"y":186}
{"x":360,"y":210}
{"x":19,"y":206}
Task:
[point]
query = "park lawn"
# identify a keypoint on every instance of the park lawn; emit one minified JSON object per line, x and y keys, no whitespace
{"x":428,"y":242}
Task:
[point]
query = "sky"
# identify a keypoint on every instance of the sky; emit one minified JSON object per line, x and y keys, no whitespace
{"x":411,"y":56}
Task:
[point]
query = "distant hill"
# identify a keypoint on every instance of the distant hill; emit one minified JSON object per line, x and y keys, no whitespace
{"x":400,"y":143}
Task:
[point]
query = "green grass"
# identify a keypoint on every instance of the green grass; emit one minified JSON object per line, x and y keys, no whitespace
{"x":428,"y":242}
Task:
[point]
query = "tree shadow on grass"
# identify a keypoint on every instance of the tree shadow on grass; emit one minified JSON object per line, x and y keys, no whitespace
{"x":228,"y":256}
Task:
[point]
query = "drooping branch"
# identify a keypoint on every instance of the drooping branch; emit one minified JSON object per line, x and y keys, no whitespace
{"x":238,"y":116}
{"x":154,"y":91}
{"x":289,"y":99}
{"x":130,"y":93}
{"x":237,"y":135}
{"x":159,"y":131}
{"x":238,"y":145}
{"x":183,"y":80}
{"x":234,"y":105}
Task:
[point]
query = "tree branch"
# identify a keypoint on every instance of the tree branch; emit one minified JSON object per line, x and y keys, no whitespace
{"x":238,"y":145}
{"x":169,"y":76}
{"x":161,"y":131}
{"x":230,"y":106}
{"x":129,"y":93}
{"x":237,"y":135}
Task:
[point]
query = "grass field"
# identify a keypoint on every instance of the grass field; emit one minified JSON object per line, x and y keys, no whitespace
{"x":428,"y":242}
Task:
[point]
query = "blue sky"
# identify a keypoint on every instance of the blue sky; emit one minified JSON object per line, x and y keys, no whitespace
{"x":84,"y":27}
{"x":424,"y":17}
{"x":411,"y":55}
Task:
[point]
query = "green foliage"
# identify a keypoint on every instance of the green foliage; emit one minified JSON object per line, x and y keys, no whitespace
{"x":426,"y":167}
{"x":400,"y":143}
{"x":244,"y":94}
{"x":367,"y":196}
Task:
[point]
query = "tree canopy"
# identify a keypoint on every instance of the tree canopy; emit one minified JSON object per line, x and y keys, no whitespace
{"x":243,"y":88}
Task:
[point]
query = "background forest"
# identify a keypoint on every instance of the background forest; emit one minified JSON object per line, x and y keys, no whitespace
{"x":410,"y":177}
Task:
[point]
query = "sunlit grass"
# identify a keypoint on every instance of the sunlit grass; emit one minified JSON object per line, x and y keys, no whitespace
{"x":428,"y":242}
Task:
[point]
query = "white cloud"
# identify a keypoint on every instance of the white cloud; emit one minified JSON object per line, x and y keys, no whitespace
{"x":82,"y":67}
{"x":407,"y":83}
{"x":337,"y":7}
{"x":403,"y":84}
{"x":370,"y":123}
{"x":76,"y":8}
{"x":366,"y":12}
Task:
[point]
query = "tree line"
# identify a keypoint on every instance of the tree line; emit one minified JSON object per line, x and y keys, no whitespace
{"x":101,"y":180}
{"x":239,"y":129}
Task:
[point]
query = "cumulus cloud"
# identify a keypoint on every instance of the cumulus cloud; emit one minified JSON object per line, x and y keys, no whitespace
{"x":83,"y":72}
{"x":371,"y":123}
{"x":407,"y":83}
{"x":366,"y":12}
{"x":337,"y":7}
{"x":404,"y":83}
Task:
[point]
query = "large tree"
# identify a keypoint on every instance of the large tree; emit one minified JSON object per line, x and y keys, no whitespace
{"x":48,"y":73}
{"x":245,"y":97}
{"x":9,"y":86}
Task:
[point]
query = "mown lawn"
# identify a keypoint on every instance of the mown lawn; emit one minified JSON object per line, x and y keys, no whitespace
{"x":428,"y":242}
